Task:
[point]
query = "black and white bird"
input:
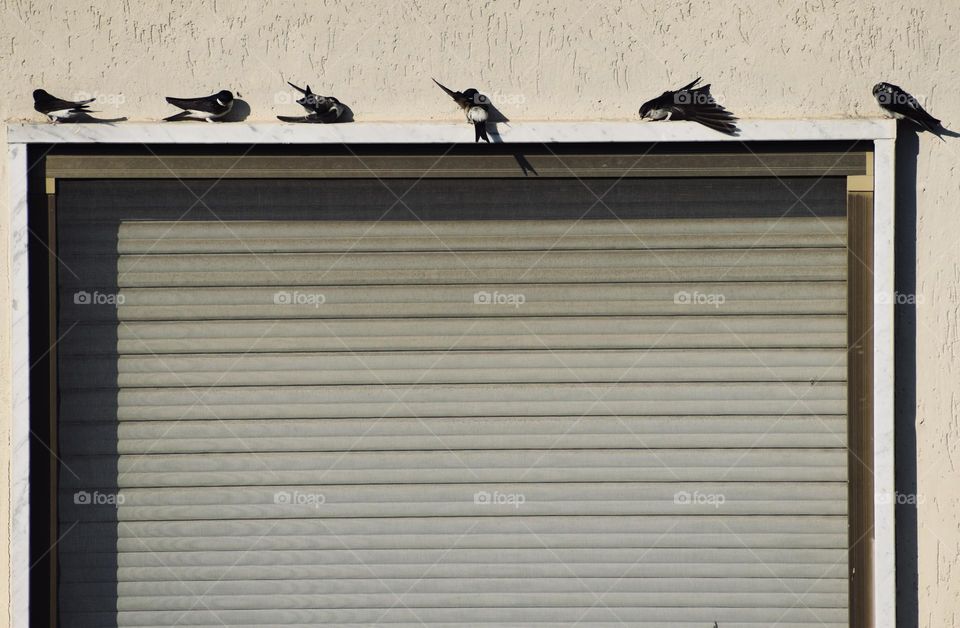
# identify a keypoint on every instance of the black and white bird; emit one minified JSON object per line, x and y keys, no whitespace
{"x":691,"y":103}
{"x":321,"y":109}
{"x":209,"y":108}
{"x":58,"y":109}
{"x":476,"y":107}
{"x":896,"y":101}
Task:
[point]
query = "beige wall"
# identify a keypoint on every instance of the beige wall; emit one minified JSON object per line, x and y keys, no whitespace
{"x":584,"y":60}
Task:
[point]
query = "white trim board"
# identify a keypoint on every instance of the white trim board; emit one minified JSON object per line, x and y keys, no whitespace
{"x":882,"y":132}
{"x":19,"y":368}
{"x":884,"y":533}
{"x":442,"y":132}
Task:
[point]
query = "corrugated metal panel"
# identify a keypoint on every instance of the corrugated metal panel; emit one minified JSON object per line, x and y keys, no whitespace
{"x":323,"y":424}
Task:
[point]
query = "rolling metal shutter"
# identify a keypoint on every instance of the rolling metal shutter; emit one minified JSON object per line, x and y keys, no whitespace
{"x":508,"y":422}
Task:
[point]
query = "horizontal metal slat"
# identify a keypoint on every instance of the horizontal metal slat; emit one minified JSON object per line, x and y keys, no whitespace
{"x":444,"y":467}
{"x":570,"y":584}
{"x":245,"y":236}
{"x":625,"y":558}
{"x":251,"y":402}
{"x":472,"y":433}
{"x":471,"y":334}
{"x":512,"y":540}
{"x":463,"y":598}
{"x":245,"y":269}
{"x":458,"y":500}
{"x":591,"y":612}
{"x":470,"y":528}
{"x":506,"y":300}
{"x":833,"y":567}
{"x":298,"y":369}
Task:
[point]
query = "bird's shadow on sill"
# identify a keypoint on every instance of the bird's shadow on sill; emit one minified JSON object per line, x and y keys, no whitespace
{"x":86,"y":118}
{"x":239,"y":112}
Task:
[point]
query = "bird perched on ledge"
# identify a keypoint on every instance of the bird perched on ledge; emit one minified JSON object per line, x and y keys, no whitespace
{"x":209,"y":108}
{"x":320,"y":109}
{"x":57,"y":109}
{"x":691,"y":103}
{"x":896,"y":101}
{"x":476,"y":107}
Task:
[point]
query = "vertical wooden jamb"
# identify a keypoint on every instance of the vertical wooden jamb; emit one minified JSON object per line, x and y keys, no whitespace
{"x":53,"y":444}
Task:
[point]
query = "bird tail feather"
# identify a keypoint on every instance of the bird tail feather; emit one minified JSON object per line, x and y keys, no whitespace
{"x":931,"y":125}
{"x":293,"y":118}
{"x":715,"y":117}
{"x":180,"y":115}
{"x":480,"y":132}
{"x":722,"y":121}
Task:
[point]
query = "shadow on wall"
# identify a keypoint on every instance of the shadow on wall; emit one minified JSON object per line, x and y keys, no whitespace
{"x":905,"y":374}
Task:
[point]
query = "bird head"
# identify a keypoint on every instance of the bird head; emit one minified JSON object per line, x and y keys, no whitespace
{"x":40,"y":93}
{"x":309,"y":99}
{"x":224,"y":97}
{"x":649,"y":106}
{"x":882,"y":87}
{"x":476,"y":98}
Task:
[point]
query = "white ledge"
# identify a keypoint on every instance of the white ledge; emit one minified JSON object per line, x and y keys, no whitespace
{"x":440,"y":132}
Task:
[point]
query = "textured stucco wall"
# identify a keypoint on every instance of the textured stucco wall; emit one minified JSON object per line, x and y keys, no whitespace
{"x":544,"y":60}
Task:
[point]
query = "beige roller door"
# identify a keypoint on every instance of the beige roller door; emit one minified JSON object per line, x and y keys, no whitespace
{"x":510,"y":423}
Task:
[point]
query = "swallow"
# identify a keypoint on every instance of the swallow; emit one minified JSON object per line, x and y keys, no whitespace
{"x":691,"y":103}
{"x":322,"y":109}
{"x":475,"y":106}
{"x":903,"y":106}
{"x":58,"y":109}
{"x":209,"y":108}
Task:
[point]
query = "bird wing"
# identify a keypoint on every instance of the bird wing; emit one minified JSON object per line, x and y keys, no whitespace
{"x":334,"y":110}
{"x":693,"y":84}
{"x":58,"y":104}
{"x":907,"y":105}
{"x":205,"y":104}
